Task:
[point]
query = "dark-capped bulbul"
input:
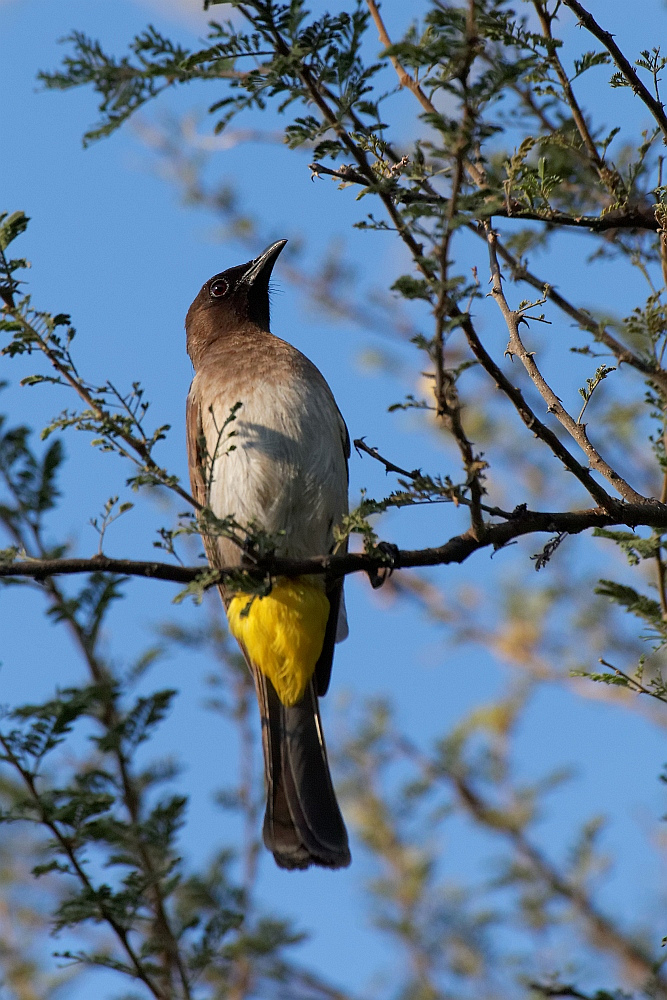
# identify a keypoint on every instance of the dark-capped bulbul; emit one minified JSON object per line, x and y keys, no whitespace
{"x":287,"y":475}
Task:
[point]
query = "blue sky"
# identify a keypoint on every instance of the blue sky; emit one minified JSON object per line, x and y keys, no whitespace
{"x":111,"y":244}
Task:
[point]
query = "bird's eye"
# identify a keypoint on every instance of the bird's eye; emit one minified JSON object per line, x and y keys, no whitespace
{"x":219,"y":288}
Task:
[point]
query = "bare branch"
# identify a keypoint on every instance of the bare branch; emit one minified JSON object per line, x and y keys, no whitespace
{"x":583,"y":319}
{"x":554,"y":405}
{"x":361,"y":445}
{"x":532,"y":421}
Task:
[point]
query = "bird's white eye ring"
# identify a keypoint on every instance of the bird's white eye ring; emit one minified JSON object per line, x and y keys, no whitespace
{"x":218,"y":288}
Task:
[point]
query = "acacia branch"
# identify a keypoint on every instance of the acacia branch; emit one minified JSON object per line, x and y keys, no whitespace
{"x":583,"y":319}
{"x":135,"y":444}
{"x":627,"y":69}
{"x":67,"y":846}
{"x":622,"y":218}
{"x":457,"y":549}
{"x":316,"y":92}
{"x":404,"y":78}
{"x":446,"y":392}
{"x":603,"y":930}
{"x":607,"y":935}
{"x":516,"y":347}
{"x":132,"y":792}
{"x":609,"y":178}
{"x":630,"y":217}
{"x":530,"y":419}
{"x":389,"y":466}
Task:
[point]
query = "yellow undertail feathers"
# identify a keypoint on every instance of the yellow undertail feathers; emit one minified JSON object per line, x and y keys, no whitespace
{"x":283,"y":633}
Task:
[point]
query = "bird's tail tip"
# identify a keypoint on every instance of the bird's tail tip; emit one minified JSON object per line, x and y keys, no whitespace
{"x":299,"y":860}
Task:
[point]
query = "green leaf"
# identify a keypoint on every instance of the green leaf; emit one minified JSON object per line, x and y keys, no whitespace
{"x":12,"y":226}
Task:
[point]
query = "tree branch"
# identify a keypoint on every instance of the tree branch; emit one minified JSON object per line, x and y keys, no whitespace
{"x":404,"y":78}
{"x":77,"y":384}
{"x":627,"y":69}
{"x":577,"y":431}
{"x":623,"y":218}
{"x":67,"y":845}
{"x":648,"y":513}
{"x":621,"y":352}
{"x":603,"y":930}
{"x":610,"y":178}
{"x":630,"y":217}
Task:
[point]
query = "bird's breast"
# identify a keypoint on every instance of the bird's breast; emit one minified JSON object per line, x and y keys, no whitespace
{"x":276,"y":461}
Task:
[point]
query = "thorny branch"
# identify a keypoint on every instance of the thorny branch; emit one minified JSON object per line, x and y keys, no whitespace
{"x":531,"y":420}
{"x":389,"y":466}
{"x":621,"y":352}
{"x":516,"y":347}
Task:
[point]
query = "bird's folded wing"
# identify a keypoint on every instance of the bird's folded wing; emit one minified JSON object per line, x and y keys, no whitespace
{"x":219,"y":551}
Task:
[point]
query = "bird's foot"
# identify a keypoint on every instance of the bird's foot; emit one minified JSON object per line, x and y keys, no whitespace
{"x":378,"y":575}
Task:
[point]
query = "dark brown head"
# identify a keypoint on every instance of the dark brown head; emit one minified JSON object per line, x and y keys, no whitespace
{"x":231,"y":300}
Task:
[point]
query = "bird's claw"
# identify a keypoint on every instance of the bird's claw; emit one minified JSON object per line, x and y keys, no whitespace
{"x":378,"y":575}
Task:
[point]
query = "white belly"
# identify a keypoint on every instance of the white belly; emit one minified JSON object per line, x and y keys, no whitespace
{"x":284,"y":468}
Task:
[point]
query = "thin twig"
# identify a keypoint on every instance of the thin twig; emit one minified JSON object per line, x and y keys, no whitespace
{"x":633,"y":683}
{"x":389,"y":466}
{"x":361,"y":445}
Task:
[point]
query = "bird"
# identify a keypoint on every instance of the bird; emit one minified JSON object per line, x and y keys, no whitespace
{"x":268,"y":447}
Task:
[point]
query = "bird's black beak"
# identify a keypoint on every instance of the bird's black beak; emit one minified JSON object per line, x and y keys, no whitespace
{"x":261,"y":267}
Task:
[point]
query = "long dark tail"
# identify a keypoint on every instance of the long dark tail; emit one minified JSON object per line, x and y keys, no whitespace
{"x":303,"y":825}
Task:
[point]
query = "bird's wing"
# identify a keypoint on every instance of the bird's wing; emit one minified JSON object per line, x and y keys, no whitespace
{"x":219,"y":551}
{"x":194,"y":433}
{"x":336,"y":629}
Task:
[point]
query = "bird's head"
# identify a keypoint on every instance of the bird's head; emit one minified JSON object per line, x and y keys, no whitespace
{"x":231,"y":299}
